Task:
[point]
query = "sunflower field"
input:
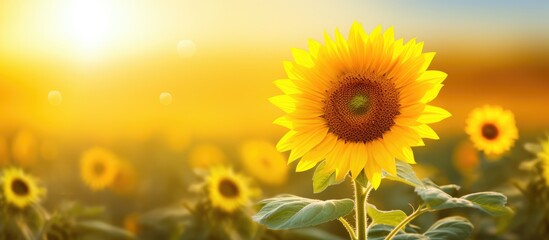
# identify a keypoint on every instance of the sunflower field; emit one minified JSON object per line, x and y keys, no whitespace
{"x":303,"y":120}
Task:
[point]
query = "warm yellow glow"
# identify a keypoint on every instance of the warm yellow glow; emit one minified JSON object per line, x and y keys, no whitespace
{"x":88,"y":25}
{"x":186,"y":48}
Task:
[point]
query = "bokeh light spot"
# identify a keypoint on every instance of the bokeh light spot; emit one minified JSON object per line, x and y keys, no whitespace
{"x":55,"y":98}
{"x":165,"y":98}
{"x":186,"y":48}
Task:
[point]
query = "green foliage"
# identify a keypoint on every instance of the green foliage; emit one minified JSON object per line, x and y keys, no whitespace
{"x":74,"y":221}
{"x":390,"y":218}
{"x":450,"y":228}
{"x":436,"y":198}
{"x":322,"y":180}
{"x":380,"y":231}
{"x":288,"y":211}
{"x":405,"y":174}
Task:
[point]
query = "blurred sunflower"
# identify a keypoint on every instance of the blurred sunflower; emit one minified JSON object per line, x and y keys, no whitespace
{"x":228,"y":191}
{"x":543,"y":155}
{"x":125,"y":181}
{"x":465,"y":158}
{"x":98,"y":168}
{"x":264,"y":162}
{"x":358,"y":103}
{"x":24,"y":148}
{"x":492,"y":129}
{"x":20,"y":189}
{"x":205,"y":156}
{"x":131,"y":223}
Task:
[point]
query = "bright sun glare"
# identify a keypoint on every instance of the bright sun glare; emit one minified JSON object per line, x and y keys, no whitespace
{"x":88,"y":25}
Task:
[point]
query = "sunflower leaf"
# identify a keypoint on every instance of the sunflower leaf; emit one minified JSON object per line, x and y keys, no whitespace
{"x":380,"y":231}
{"x":492,"y":203}
{"x":323,"y":179}
{"x":390,"y":218}
{"x":405,"y":174}
{"x":450,"y":228}
{"x":362,"y":179}
{"x":288,"y":211}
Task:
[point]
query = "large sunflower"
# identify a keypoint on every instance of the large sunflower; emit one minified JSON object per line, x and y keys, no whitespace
{"x":264,"y":162}
{"x":492,"y":129}
{"x":227,"y":190}
{"x":359,"y":103}
{"x":20,"y":189}
{"x":98,"y":168}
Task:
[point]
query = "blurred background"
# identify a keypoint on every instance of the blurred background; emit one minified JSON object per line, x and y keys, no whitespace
{"x":152,"y":80}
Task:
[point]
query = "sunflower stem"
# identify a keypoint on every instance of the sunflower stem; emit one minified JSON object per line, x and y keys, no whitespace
{"x":348,"y":227}
{"x":361,"y":195}
{"x":420,"y":210}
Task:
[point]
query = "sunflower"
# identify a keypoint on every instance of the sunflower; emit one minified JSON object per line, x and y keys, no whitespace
{"x":492,"y":129}
{"x":20,"y":189}
{"x":228,"y":191}
{"x":24,"y":148}
{"x":359,"y":104}
{"x":98,"y":168}
{"x":264,"y":162}
{"x":125,"y":181}
{"x":205,"y":156}
{"x":543,"y":155}
{"x":466,"y":158}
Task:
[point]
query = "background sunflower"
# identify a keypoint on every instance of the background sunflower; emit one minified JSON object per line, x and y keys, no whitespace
{"x":98,"y":168}
{"x":262,"y":161}
{"x":492,"y":129}
{"x":20,"y":189}
{"x":227,"y":190}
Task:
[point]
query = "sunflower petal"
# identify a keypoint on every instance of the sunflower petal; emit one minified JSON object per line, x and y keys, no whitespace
{"x":432,"y":114}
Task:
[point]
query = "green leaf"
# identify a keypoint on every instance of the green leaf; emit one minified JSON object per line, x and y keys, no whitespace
{"x":391,"y":218}
{"x":451,"y":189}
{"x":322,"y":180}
{"x":450,"y":228}
{"x":99,"y":230}
{"x":405,"y":174}
{"x":288,"y":211}
{"x":380,"y":231}
{"x":490,"y":202}
{"x":362,"y":179}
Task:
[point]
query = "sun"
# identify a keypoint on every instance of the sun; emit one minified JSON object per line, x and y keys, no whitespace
{"x":359,"y":103}
{"x":20,"y":189}
{"x":492,"y":129}
{"x":98,"y":168}
{"x":228,"y":191}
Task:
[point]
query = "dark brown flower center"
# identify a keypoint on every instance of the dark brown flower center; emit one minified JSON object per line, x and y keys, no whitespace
{"x":228,"y":188}
{"x":490,"y":131}
{"x":99,"y":168}
{"x":361,"y":108}
{"x":20,"y":187}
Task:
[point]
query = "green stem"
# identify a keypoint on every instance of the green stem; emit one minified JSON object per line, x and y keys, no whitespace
{"x":407,"y":220}
{"x":360,"y":208}
{"x":348,"y":227}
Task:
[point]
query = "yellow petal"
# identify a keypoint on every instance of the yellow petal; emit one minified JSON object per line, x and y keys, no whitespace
{"x":358,"y":158}
{"x":287,"y":86}
{"x":284,"y":144}
{"x":284,"y":102}
{"x":314,"y":46}
{"x":309,"y":140}
{"x":425,"y":131}
{"x":383,"y":158}
{"x":432,"y":114}
{"x":302,"y":58}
